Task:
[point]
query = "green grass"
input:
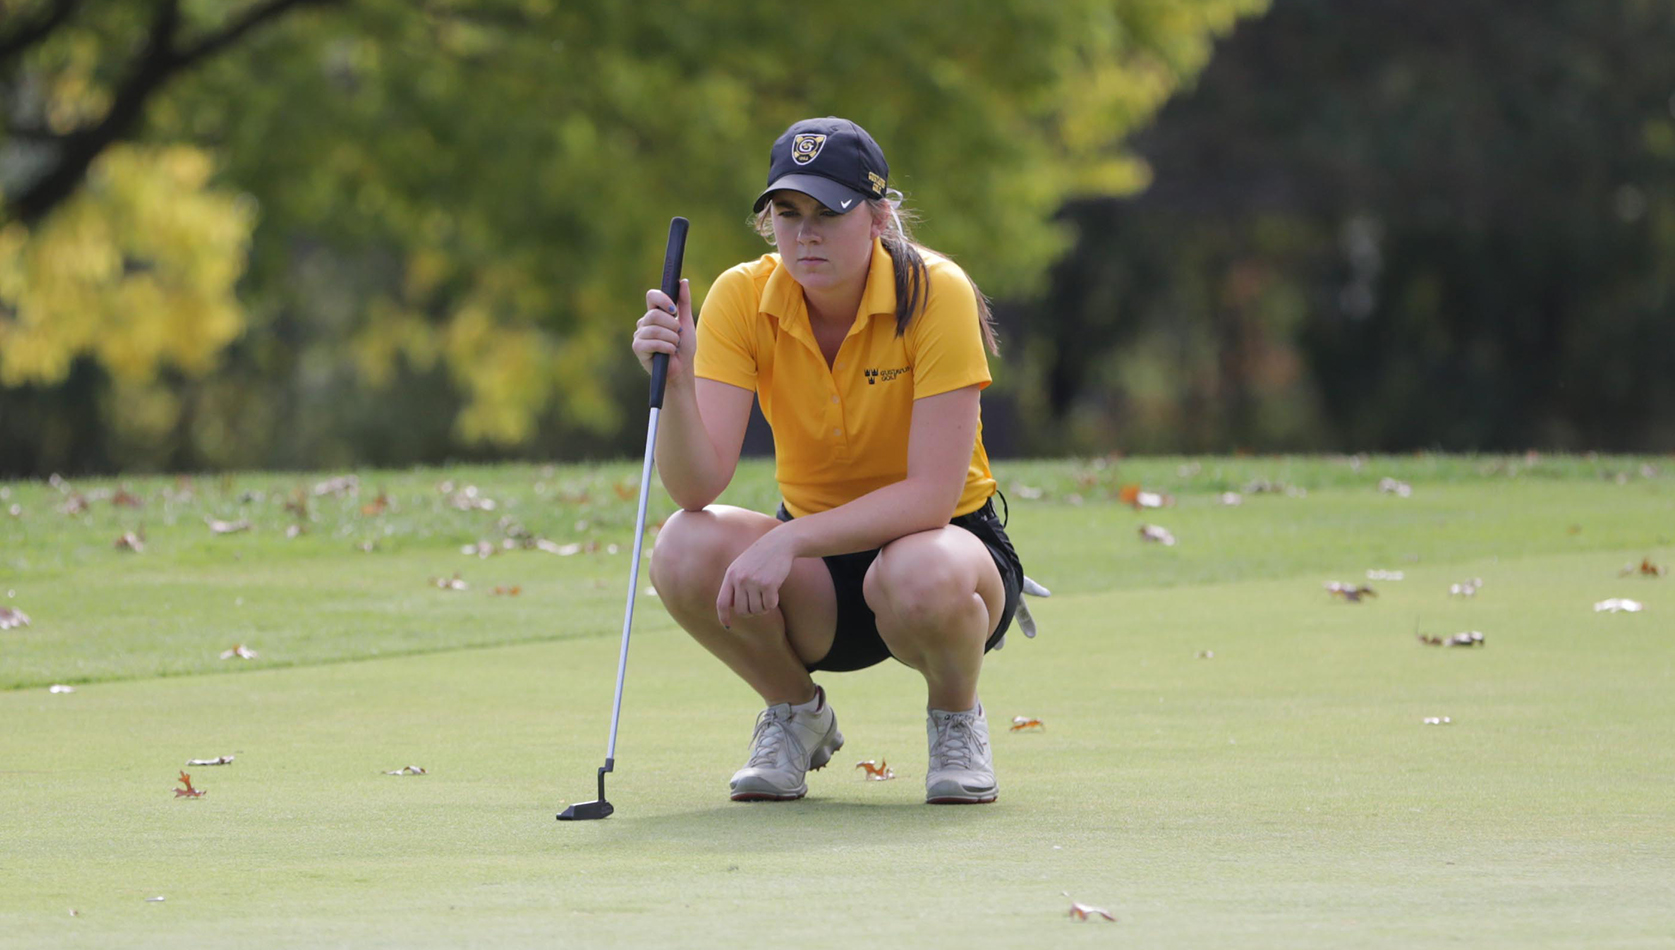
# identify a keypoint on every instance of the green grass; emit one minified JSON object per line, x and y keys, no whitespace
{"x":1283,"y":793}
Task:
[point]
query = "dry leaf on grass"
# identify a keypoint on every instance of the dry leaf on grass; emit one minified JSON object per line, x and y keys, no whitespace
{"x":1465,"y":588}
{"x":60,"y":688}
{"x":376,"y":506}
{"x":11,"y":617}
{"x":470,"y":499}
{"x":74,"y":504}
{"x":126,"y":499}
{"x":1020,"y":723}
{"x":1391,"y":486}
{"x":876,"y":771}
{"x":130,"y":541}
{"x":1088,"y":912}
{"x":626,"y":490}
{"x":219,"y":760}
{"x":1619,"y":605}
{"x":450,"y":583}
{"x":238,"y":652}
{"x":1645,"y":569}
{"x":1140,"y":498}
{"x":227,"y":527}
{"x":1468,"y":638}
{"x":1351,"y":593}
{"x":512,"y":591}
{"x":1158,"y":535}
{"x":407,"y":770}
{"x":188,"y":791}
{"x":341,"y":485}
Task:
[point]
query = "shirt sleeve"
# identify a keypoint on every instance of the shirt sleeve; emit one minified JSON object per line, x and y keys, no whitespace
{"x":946,"y":338}
{"x":726,"y":331}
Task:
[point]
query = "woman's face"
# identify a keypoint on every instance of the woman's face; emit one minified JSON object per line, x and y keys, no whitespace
{"x":823,"y":250}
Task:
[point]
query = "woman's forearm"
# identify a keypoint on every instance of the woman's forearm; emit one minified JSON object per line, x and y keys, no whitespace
{"x":874,"y":519}
{"x":692,"y":472}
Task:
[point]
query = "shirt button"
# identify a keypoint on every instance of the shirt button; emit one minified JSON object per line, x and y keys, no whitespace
{"x":837,"y":431}
{"x":834,"y":399}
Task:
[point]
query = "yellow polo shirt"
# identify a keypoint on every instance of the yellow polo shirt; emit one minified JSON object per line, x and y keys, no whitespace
{"x":841,"y":432}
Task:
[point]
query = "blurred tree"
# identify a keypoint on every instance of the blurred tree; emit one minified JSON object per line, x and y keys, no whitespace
{"x":1386,"y":225}
{"x":461,"y":202}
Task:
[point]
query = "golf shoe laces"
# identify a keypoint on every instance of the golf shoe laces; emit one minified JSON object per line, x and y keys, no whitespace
{"x":770,"y":735}
{"x":957,"y":745}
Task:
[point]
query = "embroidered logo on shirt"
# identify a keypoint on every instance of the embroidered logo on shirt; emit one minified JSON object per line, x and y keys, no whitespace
{"x":874,"y":376}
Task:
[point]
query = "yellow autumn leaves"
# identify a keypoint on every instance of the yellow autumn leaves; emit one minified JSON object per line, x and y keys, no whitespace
{"x":138,"y":271}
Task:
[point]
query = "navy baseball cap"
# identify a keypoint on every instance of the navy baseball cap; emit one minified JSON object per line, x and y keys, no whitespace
{"x":832,"y":160}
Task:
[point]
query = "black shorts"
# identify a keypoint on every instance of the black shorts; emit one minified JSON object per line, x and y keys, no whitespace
{"x":857,"y":645}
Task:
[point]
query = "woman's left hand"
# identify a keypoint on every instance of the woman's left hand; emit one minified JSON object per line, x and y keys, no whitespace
{"x":751,"y":585}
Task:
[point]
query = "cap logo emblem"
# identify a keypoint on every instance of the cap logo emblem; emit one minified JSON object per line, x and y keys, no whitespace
{"x":877,"y":183}
{"x":806,"y":147}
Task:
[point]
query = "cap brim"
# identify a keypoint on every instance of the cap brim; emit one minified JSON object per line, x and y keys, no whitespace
{"x":839,"y":198}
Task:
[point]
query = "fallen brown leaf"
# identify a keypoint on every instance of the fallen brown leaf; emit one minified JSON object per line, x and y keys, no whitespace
{"x":1352,"y":593}
{"x":626,"y":490}
{"x":1645,"y":569}
{"x":126,"y":499}
{"x":341,"y":485}
{"x":1086,"y":912}
{"x":1020,"y":723}
{"x":131,"y":542}
{"x":376,"y":506}
{"x":876,"y":771}
{"x":188,"y":791}
{"x":75,"y":504}
{"x":238,"y":652}
{"x":507,"y":591}
{"x":11,"y":617}
{"x":1159,"y":535}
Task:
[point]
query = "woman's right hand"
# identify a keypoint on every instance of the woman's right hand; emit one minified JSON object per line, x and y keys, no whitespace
{"x":669,"y":329}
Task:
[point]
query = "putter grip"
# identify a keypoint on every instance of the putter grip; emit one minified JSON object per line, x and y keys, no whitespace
{"x":672,"y":259}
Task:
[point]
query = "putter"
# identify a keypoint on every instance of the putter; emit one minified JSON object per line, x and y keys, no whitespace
{"x":586,"y":811}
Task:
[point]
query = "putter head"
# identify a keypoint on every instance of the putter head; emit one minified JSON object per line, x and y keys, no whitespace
{"x":586,"y":811}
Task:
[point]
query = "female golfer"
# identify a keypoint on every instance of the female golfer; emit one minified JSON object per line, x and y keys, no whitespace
{"x":867,"y":352}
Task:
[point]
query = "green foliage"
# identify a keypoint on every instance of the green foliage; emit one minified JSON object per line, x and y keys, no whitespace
{"x":463,"y":202}
{"x":1386,"y":226}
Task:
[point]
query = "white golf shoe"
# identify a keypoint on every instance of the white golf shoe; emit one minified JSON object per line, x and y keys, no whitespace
{"x":962,"y":769}
{"x":788,"y":743}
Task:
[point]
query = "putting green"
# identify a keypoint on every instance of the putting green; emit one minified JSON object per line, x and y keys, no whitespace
{"x":1283,"y":792}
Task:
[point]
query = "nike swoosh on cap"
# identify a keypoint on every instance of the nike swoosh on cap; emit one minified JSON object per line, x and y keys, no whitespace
{"x":846,"y":204}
